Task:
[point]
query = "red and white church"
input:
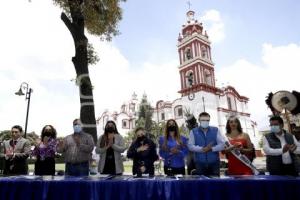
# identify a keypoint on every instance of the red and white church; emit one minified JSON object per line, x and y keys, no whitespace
{"x":198,"y":89}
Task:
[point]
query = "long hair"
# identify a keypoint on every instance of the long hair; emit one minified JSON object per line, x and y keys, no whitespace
{"x":53,"y":131}
{"x":167,"y":134}
{"x":104,"y":137}
{"x":239,"y":126}
{"x":135,"y":131}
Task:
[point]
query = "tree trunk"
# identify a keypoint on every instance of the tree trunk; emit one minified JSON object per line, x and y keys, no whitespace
{"x":80,"y":61}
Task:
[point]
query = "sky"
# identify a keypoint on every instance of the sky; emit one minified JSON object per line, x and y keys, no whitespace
{"x":255,"y":48}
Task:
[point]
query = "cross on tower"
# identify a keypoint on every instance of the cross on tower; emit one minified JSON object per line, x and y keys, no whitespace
{"x":189,"y":3}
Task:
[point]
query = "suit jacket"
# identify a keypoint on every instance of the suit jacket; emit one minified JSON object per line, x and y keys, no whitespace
{"x":18,"y":163}
{"x":118,"y":147}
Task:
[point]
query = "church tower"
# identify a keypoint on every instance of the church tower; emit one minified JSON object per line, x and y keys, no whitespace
{"x":196,"y":67}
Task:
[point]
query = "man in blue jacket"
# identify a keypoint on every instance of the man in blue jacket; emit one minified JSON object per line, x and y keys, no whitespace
{"x":206,"y":142}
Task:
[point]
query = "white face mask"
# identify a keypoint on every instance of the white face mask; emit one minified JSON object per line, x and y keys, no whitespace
{"x":204,"y":124}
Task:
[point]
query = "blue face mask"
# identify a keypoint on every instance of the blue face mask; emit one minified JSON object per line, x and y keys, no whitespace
{"x":275,"y":129}
{"x":204,"y":124}
{"x":77,"y":128}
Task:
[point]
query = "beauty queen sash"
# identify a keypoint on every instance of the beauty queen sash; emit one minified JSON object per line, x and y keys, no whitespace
{"x":242,"y":158}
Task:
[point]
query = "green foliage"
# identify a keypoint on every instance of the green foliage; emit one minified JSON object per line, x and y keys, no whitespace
{"x":157,"y":130}
{"x":183,"y":130}
{"x":145,"y":115}
{"x":144,"y":120}
{"x":32,"y":137}
{"x":263,"y":133}
{"x":101,"y":16}
{"x":140,"y":122}
{"x":92,"y":55}
{"x":6,"y":135}
{"x":130,"y":136}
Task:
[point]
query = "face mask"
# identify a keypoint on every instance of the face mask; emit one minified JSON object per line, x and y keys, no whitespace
{"x":48,"y":133}
{"x":204,"y":124}
{"x":77,"y":128}
{"x":171,"y":128}
{"x":110,"y":129}
{"x":275,"y":129}
{"x":141,"y":138}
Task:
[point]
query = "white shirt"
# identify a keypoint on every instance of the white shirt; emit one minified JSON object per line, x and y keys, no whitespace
{"x":196,"y":148}
{"x":286,"y":157}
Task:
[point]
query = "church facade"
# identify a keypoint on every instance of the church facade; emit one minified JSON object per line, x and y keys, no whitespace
{"x":198,"y":89}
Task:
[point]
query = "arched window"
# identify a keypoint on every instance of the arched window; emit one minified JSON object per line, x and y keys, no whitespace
{"x":178,"y":111}
{"x":132,"y":107}
{"x":203,"y":52}
{"x":208,"y":78}
{"x":188,"y":54}
{"x":229,"y":103}
{"x":189,"y":78}
{"x":162,"y":116}
{"x":125,"y":124}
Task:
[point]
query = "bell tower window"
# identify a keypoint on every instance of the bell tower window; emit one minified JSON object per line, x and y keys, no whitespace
{"x":188,"y":54}
{"x":208,"y":78}
{"x":203,"y":52}
{"x":196,"y":67}
{"x":189,"y":79}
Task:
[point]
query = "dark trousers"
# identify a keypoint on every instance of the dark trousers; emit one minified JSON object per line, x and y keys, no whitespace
{"x":77,"y":169}
{"x":285,"y":169}
{"x":44,"y":167}
{"x":208,"y":169}
{"x":190,"y":163}
{"x":15,"y":167}
{"x":174,"y":170}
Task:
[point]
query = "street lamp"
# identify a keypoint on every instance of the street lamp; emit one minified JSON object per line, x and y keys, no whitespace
{"x":25,"y":86}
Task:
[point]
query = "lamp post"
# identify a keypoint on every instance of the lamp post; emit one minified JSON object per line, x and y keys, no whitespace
{"x":24,"y":86}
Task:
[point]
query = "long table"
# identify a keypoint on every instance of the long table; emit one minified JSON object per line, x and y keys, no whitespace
{"x":127,"y":187}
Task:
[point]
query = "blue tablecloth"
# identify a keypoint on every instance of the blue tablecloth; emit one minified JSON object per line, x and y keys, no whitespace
{"x":256,"y":187}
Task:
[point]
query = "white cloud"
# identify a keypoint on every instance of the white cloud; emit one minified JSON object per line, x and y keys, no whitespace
{"x":37,"y":48}
{"x":279,"y":70}
{"x":214,"y":24}
{"x":115,"y":81}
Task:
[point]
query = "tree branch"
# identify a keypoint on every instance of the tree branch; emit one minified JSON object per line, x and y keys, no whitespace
{"x":67,"y":22}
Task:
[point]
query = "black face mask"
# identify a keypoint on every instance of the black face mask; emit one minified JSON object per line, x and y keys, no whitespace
{"x":48,"y":133}
{"x":171,"y":128}
{"x":140,"y":138}
{"x":110,"y":129}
